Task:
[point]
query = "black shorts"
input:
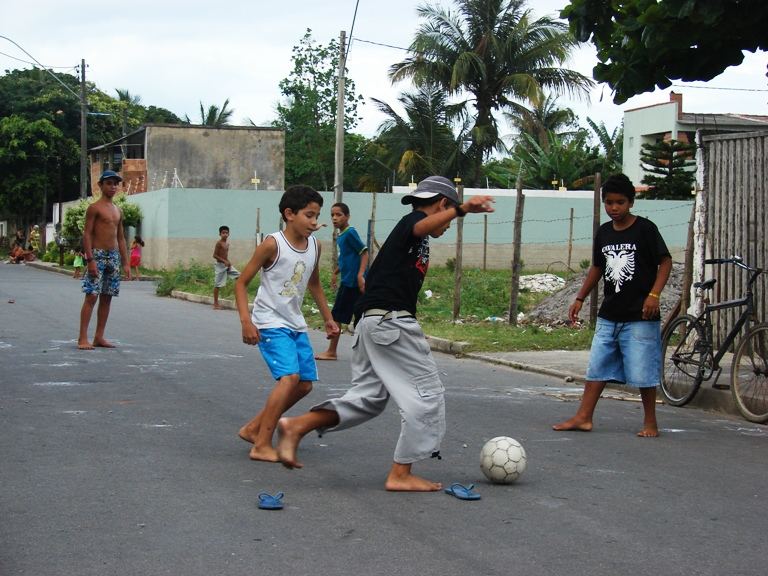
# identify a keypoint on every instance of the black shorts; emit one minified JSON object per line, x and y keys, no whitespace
{"x":343,"y":308}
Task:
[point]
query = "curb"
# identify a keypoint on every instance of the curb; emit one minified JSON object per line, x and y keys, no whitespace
{"x":567,"y":376}
{"x":53,"y":267}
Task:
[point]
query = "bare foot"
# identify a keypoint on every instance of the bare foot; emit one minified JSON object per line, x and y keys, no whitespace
{"x":267,"y":454}
{"x":411,"y":483}
{"x":325,"y":356}
{"x":217,"y":307}
{"x":575,"y":423}
{"x":649,"y":432}
{"x":287,"y":444}
{"x":101,"y":343}
{"x":84,"y":345}
{"x":247,"y":434}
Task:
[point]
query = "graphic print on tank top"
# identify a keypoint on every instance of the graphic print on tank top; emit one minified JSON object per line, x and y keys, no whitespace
{"x":290,"y":288}
{"x":619,"y":264}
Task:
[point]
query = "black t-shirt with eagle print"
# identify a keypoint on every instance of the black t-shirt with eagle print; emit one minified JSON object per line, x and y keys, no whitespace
{"x":629,"y":260}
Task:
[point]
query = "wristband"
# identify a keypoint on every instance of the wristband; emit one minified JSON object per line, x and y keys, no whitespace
{"x":653,"y":295}
{"x":459,"y":212}
{"x":579,"y":299}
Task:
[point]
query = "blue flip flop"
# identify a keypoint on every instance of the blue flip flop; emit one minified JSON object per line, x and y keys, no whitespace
{"x":463,"y":492}
{"x":269,"y":502}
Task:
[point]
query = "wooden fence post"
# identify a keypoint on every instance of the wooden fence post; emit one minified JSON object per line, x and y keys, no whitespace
{"x":458,"y":267}
{"x":595,"y":227}
{"x":516,"y":253}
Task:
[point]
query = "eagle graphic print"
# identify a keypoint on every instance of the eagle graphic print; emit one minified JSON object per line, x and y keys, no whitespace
{"x":619,"y":264}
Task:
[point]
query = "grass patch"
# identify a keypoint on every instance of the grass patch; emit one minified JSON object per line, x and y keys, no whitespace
{"x":485,"y":294}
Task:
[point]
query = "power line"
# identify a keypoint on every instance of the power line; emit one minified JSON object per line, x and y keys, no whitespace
{"x":352,"y":29}
{"x":686,"y":86}
{"x":75,"y":94}
{"x":381,"y":44}
{"x":32,"y":63}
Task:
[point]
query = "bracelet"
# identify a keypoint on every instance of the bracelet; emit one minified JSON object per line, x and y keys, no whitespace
{"x":579,"y":299}
{"x":459,"y":212}
{"x":653,"y":295}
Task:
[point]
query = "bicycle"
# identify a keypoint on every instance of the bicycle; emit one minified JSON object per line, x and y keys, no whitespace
{"x":690,"y":357}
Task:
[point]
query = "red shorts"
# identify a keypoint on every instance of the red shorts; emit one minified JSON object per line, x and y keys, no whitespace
{"x":135,"y":261}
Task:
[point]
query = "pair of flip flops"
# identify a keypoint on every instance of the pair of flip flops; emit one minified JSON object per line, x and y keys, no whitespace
{"x":463,"y":492}
{"x":269,"y":502}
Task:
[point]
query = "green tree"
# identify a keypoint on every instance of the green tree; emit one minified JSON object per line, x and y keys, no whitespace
{"x":543,"y":117}
{"x":669,"y":164}
{"x":495,"y":51}
{"x":214,"y":116}
{"x":308,"y":112}
{"x":612,"y":147}
{"x":422,"y":142}
{"x":74,"y":218}
{"x":642,"y":44}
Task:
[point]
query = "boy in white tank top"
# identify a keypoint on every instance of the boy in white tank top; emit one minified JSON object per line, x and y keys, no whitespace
{"x":287,"y":261}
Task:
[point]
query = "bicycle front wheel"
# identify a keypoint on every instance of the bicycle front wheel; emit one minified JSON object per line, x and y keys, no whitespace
{"x":683,"y":351}
{"x":749,"y":375}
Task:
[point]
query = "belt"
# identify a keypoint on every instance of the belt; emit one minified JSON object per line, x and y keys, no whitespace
{"x":386,"y":314}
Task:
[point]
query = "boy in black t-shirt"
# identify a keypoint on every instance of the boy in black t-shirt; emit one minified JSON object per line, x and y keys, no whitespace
{"x":632,"y":258}
{"x":390,"y":355}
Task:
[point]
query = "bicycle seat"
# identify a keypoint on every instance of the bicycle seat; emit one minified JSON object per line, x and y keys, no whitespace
{"x":706,"y":285}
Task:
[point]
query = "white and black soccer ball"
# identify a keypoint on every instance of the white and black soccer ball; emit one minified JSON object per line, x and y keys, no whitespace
{"x":503,"y":460}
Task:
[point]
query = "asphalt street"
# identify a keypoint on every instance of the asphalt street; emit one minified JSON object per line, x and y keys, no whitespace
{"x":127,"y":462}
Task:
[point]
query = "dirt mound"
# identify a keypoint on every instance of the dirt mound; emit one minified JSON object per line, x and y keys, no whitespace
{"x":553,"y":310}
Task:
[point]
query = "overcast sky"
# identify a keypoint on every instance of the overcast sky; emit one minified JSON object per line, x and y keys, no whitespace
{"x":176,"y":54}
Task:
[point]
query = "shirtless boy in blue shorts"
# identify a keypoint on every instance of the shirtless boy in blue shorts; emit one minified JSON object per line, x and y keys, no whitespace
{"x":105,"y":251}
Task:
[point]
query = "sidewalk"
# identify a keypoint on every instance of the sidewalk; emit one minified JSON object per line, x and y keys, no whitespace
{"x":570,"y":365}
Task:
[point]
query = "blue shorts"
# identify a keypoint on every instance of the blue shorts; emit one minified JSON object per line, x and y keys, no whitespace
{"x":288,"y":352}
{"x":344,"y":306}
{"x":628,"y":352}
{"x":107,"y":279}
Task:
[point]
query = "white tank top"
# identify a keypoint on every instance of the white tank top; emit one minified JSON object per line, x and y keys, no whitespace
{"x":281,"y":292}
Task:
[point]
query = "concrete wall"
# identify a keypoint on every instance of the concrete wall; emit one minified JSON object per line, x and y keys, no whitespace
{"x":222,"y":158}
{"x":181,"y":225}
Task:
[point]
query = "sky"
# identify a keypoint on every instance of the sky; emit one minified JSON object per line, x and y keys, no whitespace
{"x":176,"y":54}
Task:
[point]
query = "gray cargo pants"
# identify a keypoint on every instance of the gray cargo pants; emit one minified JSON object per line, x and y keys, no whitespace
{"x":391,"y":357}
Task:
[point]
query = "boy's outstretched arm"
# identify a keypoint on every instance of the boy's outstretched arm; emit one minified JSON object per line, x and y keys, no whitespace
{"x":476,"y":204}
{"x":593,"y":277}
{"x":264,"y":254}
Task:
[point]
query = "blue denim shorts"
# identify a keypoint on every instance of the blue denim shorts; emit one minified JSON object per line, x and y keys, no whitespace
{"x":628,"y":352}
{"x":288,"y":352}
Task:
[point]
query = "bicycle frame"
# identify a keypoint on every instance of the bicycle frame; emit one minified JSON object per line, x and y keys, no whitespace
{"x":705,"y":318}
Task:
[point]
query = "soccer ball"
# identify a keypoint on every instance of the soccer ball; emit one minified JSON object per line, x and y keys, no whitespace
{"x":502,"y":460}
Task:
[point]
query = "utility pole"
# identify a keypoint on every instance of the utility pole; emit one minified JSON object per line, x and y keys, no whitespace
{"x":338,"y":174}
{"x":83,"y":134}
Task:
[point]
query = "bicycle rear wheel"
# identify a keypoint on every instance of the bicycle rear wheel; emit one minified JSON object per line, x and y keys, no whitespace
{"x":749,"y":375}
{"x":683,"y":353}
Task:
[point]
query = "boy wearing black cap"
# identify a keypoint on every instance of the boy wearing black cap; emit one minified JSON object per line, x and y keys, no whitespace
{"x":105,"y":251}
{"x":390,"y":355}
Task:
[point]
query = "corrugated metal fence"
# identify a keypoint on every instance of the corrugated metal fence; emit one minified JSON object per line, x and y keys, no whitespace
{"x":735,"y":197}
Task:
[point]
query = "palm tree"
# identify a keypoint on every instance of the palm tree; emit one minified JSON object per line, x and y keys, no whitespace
{"x":612,"y":145}
{"x":495,"y":51}
{"x":214,"y":116}
{"x":422,"y":142}
{"x":127,"y":102}
{"x":541,"y":118}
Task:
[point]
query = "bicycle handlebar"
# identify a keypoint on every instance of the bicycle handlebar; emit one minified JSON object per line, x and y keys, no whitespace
{"x":738,"y":261}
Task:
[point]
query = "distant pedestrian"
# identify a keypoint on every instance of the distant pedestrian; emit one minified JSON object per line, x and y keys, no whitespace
{"x":632,"y":258}
{"x":288,"y":263}
{"x":136,"y":247}
{"x":105,"y":251}
{"x":34,"y":239}
{"x":390,"y":354}
{"x":222,"y":268}
{"x":351,"y":266}
{"x":78,"y":263}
